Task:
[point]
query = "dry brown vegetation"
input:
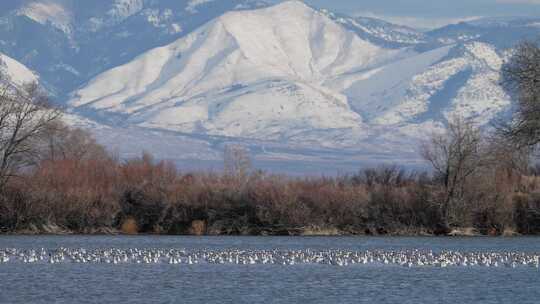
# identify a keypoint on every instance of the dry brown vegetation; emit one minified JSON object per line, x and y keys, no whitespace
{"x":83,"y":189}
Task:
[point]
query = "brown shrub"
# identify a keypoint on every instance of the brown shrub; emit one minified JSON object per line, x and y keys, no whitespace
{"x":198,"y":227}
{"x":129,"y":226}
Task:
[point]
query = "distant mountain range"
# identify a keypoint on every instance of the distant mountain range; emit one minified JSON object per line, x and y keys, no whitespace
{"x":291,"y":82}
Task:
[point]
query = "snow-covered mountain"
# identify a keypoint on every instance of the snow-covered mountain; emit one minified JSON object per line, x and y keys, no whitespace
{"x":256,"y":74}
{"x":292,"y":73}
{"x":299,"y":82}
{"x":70,"y":41}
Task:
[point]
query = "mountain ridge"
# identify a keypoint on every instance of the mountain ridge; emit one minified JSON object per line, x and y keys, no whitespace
{"x":291,"y":67}
{"x":302,"y":78}
{"x":223,"y":80}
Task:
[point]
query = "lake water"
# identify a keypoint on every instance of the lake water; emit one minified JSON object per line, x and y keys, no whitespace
{"x":71,"y":282}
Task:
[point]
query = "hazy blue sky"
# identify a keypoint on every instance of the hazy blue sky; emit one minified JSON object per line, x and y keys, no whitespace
{"x":431,"y":13}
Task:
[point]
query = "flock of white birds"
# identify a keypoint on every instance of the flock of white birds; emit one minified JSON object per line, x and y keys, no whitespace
{"x":342,"y":258}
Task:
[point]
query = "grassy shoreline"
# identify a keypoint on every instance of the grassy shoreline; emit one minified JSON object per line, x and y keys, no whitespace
{"x":294,"y":232}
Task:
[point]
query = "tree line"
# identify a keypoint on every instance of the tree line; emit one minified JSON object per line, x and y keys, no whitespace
{"x":54,"y":179}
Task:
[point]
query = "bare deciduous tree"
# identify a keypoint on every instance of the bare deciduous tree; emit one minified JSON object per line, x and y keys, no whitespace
{"x":62,"y":142}
{"x":455,"y":156}
{"x":237,"y":161}
{"x":507,"y":155}
{"x":25,"y":117}
{"x":384,"y":175}
{"x":521,"y":77}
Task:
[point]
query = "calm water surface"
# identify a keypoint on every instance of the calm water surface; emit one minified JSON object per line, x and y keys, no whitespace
{"x":211,"y":283}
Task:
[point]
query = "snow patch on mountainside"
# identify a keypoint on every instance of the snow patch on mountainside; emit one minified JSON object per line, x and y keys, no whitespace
{"x":379,"y":31}
{"x":16,"y":71}
{"x":158,"y":18}
{"x":482,"y":97}
{"x":398,"y":90}
{"x":122,"y":9}
{"x":52,"y":12}
{"x":117,"y":12}
{"x":420,"y":89}
{"x":193,"y":4}
{"x":452,"y":80}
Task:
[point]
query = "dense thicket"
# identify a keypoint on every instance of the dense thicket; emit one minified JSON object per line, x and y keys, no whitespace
{"x":521,"y":78}
{"x":80,"y":188}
